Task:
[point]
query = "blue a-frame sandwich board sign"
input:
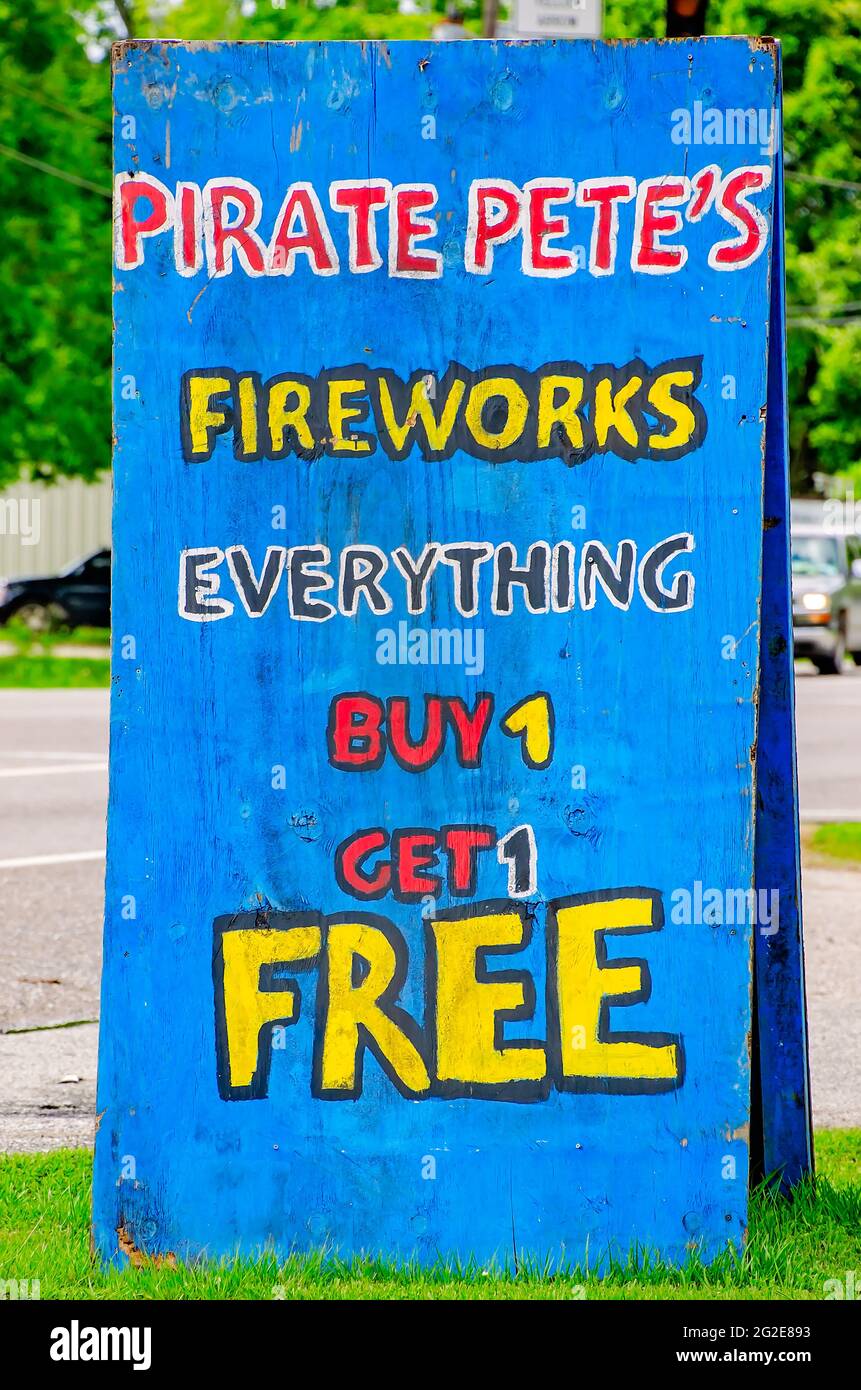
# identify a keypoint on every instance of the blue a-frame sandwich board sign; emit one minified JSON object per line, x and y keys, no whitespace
{"x":453,"y":815}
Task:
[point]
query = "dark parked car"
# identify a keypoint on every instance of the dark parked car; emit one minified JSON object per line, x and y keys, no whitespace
{"x":79,"y":597}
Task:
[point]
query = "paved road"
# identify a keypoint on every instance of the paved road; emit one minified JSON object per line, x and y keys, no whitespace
{"x":53,"y":788}
{"x":832,"y":948}
{"x":52,"y":809}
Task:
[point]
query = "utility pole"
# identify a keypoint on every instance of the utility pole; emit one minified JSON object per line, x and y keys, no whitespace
{"x":686,"y":19}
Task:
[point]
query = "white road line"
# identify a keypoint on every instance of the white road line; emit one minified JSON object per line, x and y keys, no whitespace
{"x":38,"y":860}
{"x":52,"y":771}
{"x":844,"y":813}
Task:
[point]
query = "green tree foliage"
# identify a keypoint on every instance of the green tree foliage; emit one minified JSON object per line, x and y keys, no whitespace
{"x":294,"y":19}
{"x":54,"y":280}
{"x":54,"y":283}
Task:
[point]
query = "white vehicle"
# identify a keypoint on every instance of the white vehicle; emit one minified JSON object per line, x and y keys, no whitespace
{"x":826,"y":589}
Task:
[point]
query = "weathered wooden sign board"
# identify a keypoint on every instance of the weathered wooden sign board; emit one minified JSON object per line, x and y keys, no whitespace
{"x":452,"y":771}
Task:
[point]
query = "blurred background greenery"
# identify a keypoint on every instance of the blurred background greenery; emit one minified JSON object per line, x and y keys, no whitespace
{"x":55,"y":179}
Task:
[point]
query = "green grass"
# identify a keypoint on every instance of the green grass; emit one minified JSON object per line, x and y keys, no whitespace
{"x":794,"y":1246}
{"x":841,"y":840}
{"x":36,"y":644}
{"x":87,"y":637}
{"x":36,"y":672}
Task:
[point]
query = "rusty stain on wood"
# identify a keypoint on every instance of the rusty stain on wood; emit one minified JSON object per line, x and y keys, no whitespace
{"x":138,"y":1258}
